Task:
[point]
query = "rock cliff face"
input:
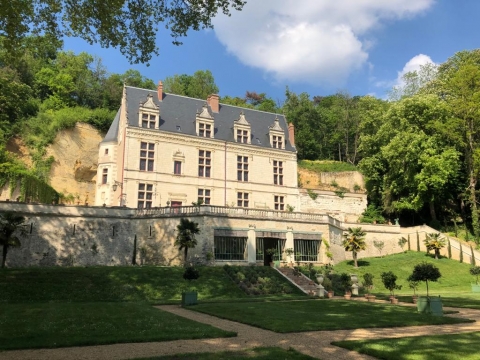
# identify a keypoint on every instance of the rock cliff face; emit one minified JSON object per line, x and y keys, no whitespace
{"x":74,"y":170}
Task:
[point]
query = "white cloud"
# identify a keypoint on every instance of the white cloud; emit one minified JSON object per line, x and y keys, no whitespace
{"x":413,"y":64}
{"x":309,"y":40}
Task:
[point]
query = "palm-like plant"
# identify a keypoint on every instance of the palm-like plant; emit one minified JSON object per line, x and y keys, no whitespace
{"x":186,"y":235}
{"x":10,"y":223}
{"x":354,"y":241}
{"x":434,"y":242}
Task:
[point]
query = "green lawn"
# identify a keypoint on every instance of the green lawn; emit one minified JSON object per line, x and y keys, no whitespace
{"x":439,"y":347}
{"x":93,"y":284}
{"x":266,"y":353}
{"x":455,"y":279}
{"x":293,"y":316}
{"x":47,"y":325}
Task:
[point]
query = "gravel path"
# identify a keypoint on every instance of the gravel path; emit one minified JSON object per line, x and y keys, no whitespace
{"x":313,"y":343}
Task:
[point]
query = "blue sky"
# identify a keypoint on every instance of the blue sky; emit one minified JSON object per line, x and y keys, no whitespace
{"x":314,"y":46}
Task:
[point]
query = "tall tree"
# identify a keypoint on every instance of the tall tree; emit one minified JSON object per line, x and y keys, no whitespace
{"x":10,"y":223}
{"x":130,"y":25}
{"x":458,"y":85}
{"x":199,"y":85}
{"x":301,"y":111}
{"x":354,"y":241}
{"x":186,"y":232}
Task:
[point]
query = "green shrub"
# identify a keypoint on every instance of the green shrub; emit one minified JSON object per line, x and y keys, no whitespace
{"x":372,"y":214}
{"x":326,"y":166}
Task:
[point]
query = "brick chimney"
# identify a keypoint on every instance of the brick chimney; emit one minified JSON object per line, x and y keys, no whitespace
{"x":214,"y":102}
{"x":160,"y":90}
{"x":291,"y":133}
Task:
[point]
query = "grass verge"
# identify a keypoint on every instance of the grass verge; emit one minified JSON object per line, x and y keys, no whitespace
{"x":51,"y":325}
{"x":264,"y":353}
{"x":439,"y":347}
{"x":293,"y":316}
{"x":455,"y":279}
{"x":109,"y":283}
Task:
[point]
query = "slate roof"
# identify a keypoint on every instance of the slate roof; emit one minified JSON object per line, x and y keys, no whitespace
{"x":113,"y":130}
{"x":178,"y":115}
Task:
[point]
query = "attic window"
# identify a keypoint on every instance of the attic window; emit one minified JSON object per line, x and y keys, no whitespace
{"x":276,"y":135}
{"x":148,"y":113}
{"x":241,"y":128}
{"x":204,"y":123}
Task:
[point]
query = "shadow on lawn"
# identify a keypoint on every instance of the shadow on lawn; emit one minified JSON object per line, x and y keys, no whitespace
{"x":360,"y":263}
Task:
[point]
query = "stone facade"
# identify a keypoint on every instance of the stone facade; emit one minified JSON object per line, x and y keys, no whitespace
{"x":170,"y":149}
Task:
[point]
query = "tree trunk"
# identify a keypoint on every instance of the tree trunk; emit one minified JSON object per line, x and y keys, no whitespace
{"x":433,"y":214}
{"x":355,"y":258}
{"x":4,"y":257}
{"x":185,"y":255}
{"x":437,"y":253}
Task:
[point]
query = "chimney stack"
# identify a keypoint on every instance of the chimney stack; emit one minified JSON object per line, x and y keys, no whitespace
{"x":214,"y":102}
{"x":160,"y":90}
{"x":291,"y":133}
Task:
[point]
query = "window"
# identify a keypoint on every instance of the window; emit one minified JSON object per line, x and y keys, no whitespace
{"x":204,"y":130}
{"x":277,"y":142}
{"x":104,"y":176}
{"x":106,"y":151}
{"x":242,"y":199}
{"x":306,"y":250}
{"x":278,"y":172}
{"x":145,"y":196}
{"x":279,"y":204}
{"x":177,"y":167}
{"x":242,"y":168}
{"x":204,"y":163}
{"x":149,"y":121}
{"x":147,"y":155}
{"x":242,"y":136}
{"x":204,"y":196}
{"x":230,"y":248}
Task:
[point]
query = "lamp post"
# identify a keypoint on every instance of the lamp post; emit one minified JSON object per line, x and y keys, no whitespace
{"x":115,"y":186}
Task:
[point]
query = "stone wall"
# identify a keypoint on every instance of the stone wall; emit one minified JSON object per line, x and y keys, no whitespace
{"x":348,"y":207}
{"x":85,"y":236}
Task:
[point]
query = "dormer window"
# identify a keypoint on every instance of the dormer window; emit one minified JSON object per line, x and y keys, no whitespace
{"x":149,"y":121}
{"x":241,"y":129}
{"x":149,"y":114}
{"x":205,"y":123}
{"x":277,"y":139}
{"x":204,"y":130}
{"x":277,"y":142}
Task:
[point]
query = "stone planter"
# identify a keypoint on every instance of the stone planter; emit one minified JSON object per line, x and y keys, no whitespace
{"x":393,"y":300}
{"x":347,"y":296}
{"x":414,"y":299}
{"x":320,"y":279}
{"x":330,"y":294}
{"x":476,"y":288}
{"x":189,"y":298}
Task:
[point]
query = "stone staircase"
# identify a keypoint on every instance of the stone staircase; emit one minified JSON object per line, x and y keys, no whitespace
{"x":305,"y":284}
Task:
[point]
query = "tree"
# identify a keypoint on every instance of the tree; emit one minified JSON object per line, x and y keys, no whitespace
{"x":10,"y":223}
{"x":458,"y":87}
{"x":128,"y":25}
{"x":389,"y":280}
{"x":186,"y":235}
{"x":199,"y":85}
{"x":354,"y":241}
{"x":368,"y":281}
{"x":434,"y":242}
{"x":425,"y":272}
